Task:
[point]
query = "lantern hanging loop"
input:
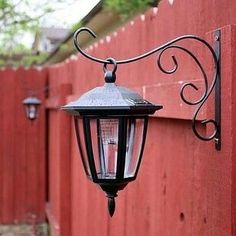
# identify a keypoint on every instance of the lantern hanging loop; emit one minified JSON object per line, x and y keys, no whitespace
{"x":110,"y":75}
{"x":112,"y":61}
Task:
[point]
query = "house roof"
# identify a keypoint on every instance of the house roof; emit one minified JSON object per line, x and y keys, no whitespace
{"x":99,"y":19}
{"x":54,"y":33}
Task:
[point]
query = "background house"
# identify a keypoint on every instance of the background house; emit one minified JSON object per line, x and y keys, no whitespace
{"x":49,"y":38}
{"x":101,"y":20}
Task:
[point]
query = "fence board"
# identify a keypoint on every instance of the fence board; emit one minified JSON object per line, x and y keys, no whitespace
{"x":7,"y":141}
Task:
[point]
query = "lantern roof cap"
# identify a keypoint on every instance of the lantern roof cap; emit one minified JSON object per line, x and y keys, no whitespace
{"x":111,"y":100}
{"x":31,"y":101}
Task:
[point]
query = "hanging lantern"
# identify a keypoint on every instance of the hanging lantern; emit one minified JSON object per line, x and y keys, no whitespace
{"x":31,"y":105}
{"x":111,"y":126}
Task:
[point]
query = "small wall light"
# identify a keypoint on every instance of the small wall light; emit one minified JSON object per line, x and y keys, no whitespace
{"x":31,"y":105}
{"x":111,"y":121}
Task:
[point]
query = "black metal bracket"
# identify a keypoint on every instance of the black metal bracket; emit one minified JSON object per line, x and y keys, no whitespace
{"x":208,"y":88}
{"x":217,"y":49}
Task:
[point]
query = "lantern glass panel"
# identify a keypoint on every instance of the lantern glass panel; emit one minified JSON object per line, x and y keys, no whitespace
{"x":81,"y":143}
{"x":31,"y":111}
{"x":104,"y":134}
{"x":135,"y":137}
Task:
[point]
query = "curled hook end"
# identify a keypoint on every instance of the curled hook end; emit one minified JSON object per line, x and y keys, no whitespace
{"x":159,"y":63}
{"x":214,"y":133}
{"x":77,"y":32}
{"x":77,"y":46}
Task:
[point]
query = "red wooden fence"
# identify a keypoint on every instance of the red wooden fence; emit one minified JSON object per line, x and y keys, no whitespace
{"x":184,"y":187}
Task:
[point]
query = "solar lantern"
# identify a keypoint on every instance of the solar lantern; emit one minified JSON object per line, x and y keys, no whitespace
{"x":111,"y":125}
{"x":31,"y":105}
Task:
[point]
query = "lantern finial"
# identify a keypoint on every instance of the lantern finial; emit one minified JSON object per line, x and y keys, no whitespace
{"x":111,"y":203}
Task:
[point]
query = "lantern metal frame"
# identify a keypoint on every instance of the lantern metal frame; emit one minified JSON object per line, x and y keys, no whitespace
{"x":31,"y":101}
{"x":215,"y":85}
{"x":121,"y":148}
{"x":110,"y":185}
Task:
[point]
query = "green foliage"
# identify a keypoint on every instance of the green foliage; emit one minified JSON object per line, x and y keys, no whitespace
{"x":33,"y":59}
{"x":64,"y":47}
{"x":20,"y":17}
{"x":2,"y":63}
{"x":76,"y":26}
{"x":127,"y":8}
{"x":25,"y":58}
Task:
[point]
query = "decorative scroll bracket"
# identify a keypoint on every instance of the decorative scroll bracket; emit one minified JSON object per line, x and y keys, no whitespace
{"x":215,"y":84}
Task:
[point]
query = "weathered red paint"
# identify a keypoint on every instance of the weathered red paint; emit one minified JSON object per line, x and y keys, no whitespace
{"x":231,"y":71}
{"x":185,"y":186}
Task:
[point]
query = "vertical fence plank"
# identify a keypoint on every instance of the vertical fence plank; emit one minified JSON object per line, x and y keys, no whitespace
{"x":232,"y":71}
{"x":65,"y":164}
{"x":59,"y":205}
{"x":8,"y":142}
{"x":20,"y":147}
